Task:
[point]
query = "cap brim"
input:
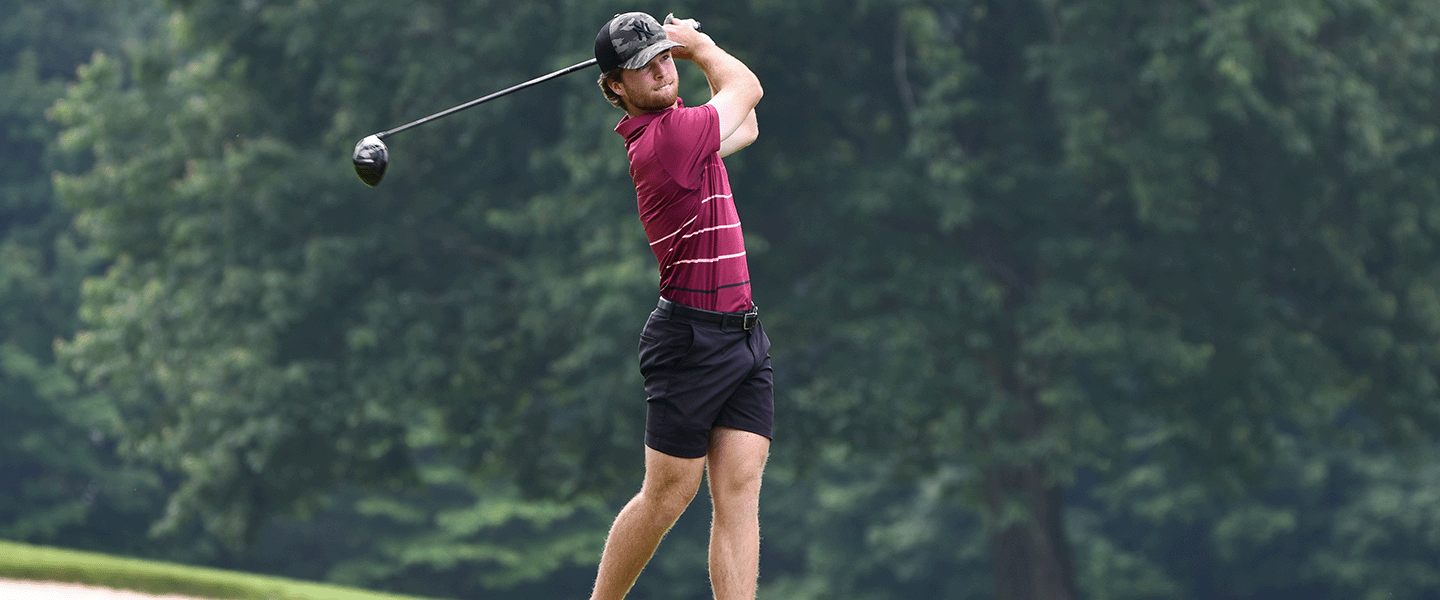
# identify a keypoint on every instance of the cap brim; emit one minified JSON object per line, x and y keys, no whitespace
{"x":645,"y":56}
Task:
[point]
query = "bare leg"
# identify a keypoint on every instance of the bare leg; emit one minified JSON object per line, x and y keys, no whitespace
{"x":736,"y":463}
{"x":670,"y":484}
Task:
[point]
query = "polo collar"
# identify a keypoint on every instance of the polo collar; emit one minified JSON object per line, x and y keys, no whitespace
{"x":628,"y":125}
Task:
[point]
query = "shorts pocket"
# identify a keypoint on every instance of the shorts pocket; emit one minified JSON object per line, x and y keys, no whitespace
{"x":664,"y":343}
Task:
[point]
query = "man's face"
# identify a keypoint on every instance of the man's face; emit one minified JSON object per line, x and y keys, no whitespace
{"x":651,"y":88}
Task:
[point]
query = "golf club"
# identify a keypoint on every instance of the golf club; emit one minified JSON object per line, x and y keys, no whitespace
{"x":371,"y":156}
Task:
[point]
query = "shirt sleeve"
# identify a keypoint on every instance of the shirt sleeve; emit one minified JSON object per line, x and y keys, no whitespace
{"x":686,"y":139}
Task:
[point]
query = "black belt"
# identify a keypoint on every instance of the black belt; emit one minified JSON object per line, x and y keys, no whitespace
{"x":736,"y":320}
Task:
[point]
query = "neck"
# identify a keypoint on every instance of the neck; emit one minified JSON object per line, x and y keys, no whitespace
{"x":635,"y":112}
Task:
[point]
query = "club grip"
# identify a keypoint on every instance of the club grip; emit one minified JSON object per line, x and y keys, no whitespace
{"x":670,"y":18}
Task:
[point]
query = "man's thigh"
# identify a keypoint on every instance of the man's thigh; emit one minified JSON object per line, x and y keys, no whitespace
{"x":736,"y":461}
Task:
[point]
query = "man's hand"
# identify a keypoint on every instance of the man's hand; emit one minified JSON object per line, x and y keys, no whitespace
{"x":684,"y":31}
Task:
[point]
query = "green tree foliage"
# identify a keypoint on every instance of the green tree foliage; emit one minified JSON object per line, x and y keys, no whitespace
{"x":1098,"y":298}
{"x":270,"y":328}
{"x":60,"y":481}
{"x":1323,"y":523}
{"x":1117,"y":231}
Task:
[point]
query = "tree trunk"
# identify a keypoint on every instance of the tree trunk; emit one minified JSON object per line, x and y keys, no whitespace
{"x":1032,"y":557}
{"x":1030,"y":553}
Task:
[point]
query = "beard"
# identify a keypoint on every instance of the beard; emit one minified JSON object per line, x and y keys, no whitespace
{"x":655,"y":100}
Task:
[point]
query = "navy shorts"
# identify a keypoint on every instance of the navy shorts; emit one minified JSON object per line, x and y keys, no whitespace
{"x":699,"y":376}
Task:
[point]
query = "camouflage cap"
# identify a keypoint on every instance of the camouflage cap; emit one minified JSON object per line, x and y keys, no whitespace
{"x":630,"y":41}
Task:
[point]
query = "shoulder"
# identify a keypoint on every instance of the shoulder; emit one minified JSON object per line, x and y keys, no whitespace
{"x":686,"y":118}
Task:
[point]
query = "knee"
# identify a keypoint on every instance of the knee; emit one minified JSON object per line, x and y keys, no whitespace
{"x":742,"y":487}
{"x":669,"y":497}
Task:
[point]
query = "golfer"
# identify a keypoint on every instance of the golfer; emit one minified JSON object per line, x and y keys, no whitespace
{"x":704,"y":356}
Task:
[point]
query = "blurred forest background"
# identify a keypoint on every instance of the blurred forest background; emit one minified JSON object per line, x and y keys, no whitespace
{"x":1103,"y":299}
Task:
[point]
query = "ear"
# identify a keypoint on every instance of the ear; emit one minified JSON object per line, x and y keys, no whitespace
{"x":618,"y":86}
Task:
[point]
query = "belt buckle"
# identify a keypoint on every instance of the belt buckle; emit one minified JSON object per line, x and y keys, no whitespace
{"x":751,"y":319}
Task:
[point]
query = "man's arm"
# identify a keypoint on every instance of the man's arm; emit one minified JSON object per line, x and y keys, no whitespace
{"x":748,"y":131}
{"x":744,"y":136}
{"x":735,"y":89}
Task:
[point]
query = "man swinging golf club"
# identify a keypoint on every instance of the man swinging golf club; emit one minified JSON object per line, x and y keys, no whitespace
{"x":703,"y":354}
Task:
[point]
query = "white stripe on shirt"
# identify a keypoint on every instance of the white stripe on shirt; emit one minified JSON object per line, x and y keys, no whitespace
{"x":682,"y":228}
{"x":692,"y":220}
{"x":709,"y":229}
{"x":705,"y":260}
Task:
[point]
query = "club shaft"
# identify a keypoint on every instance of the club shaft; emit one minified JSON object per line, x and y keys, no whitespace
{"x":483,"y":99}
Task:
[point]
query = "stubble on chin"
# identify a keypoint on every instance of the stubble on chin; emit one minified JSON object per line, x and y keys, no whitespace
{"x":658,"y":101}
{"x":658,"y":105}
{"x":661,"y":105}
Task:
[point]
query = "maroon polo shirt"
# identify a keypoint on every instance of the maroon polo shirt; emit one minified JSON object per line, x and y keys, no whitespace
{"x":685,"y":203}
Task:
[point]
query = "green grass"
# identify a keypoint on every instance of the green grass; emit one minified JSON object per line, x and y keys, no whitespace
{"x":22,"y":561}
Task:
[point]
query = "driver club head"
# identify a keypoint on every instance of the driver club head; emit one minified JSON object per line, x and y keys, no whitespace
{"x":371,"y":158}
